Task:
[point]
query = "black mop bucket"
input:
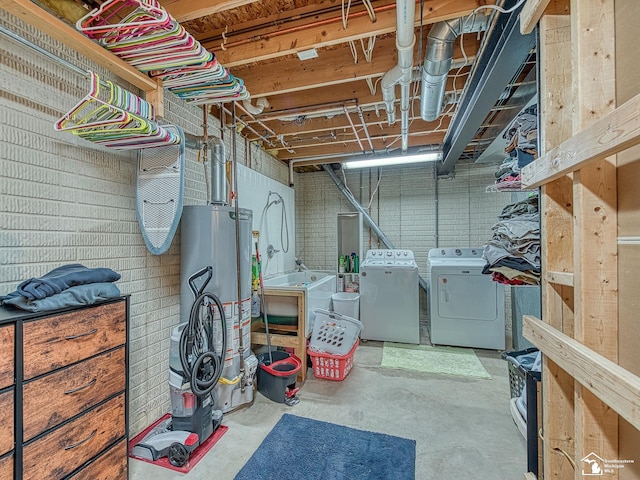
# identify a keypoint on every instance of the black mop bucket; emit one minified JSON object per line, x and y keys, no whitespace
{"x":274,"y":378}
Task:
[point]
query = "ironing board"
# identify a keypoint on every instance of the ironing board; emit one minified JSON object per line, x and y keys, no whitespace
{"x":159,"y":192}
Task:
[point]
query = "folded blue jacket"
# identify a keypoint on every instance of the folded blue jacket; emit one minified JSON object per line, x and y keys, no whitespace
{"x":71,"y":297}
{"x":60,"y":279}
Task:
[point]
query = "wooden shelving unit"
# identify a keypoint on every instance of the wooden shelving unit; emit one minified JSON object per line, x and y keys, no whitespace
{"x":589,"y":179}
{"x":291,"y":336}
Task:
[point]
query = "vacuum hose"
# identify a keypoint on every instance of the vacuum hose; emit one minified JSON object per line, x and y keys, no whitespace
{"x":197,"y":354}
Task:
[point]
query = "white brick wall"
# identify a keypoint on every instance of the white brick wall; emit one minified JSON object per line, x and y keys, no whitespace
{"x":406,"y":212}
{"x":65,"y":200}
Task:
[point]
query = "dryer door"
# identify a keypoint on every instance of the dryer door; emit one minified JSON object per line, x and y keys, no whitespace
{"x":471,"y":296}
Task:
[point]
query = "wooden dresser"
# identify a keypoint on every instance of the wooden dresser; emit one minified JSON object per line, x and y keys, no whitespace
{"x":63,"y":393}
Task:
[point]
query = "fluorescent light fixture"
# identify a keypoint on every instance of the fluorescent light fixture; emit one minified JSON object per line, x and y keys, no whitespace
{"x":308,"y":54}
{"x":386,"y":161}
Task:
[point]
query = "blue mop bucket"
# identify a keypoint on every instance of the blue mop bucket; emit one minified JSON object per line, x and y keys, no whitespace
{"x":274,"y":377}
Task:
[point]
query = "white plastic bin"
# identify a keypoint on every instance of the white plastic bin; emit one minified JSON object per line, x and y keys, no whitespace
{"x":347,"y":304}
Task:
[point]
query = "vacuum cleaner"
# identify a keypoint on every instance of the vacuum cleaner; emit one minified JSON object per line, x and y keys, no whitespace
{"x":195,"y":369}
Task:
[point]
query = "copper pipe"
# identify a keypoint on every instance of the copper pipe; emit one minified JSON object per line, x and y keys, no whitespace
{"x":233,"y":117}
{"x":253,"y":118}
{"x":299,"y":28}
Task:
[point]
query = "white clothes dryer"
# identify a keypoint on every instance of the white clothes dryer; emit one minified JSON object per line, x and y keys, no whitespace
{"x":466,"y":306}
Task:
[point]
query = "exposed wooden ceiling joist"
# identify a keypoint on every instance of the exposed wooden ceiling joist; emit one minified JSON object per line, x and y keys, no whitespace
{"x":336,"y":66}
{"x":281,"y":43}
{"x":185,"y":10}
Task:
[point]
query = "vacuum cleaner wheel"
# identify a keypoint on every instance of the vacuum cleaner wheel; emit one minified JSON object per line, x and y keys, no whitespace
{"x":178,"y":454}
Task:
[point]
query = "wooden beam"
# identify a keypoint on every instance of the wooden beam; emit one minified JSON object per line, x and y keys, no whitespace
{"x":347,"y":138}
{"x":332,"y":67}
{"x":250,"y":27}
{"x":595,"y":217}
{"x":560,"y":278}
{"x":614,"y":385}
{"x":535,"y":10}
{"x":282,"y":106}
{"x":57,"y":29}
{"x":339,"y":123}
{"x":340,"y":148}
{"x":611,"y":134}
{"x":556,"y":209}
{"x":280,"y":44}
{"x":531,"y":14}
{"x":185,"y":10}
{"x":530,"y":476}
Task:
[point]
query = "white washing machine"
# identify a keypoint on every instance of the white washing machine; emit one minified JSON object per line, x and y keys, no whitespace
{"x":466,"y":306}
{"x":389,"y":301}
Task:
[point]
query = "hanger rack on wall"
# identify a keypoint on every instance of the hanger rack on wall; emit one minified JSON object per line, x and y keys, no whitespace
{"x":39,"y":18}
{"x":143,"y":34}
{"x":115,"y":118}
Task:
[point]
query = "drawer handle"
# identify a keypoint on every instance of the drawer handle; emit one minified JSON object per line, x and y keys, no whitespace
{"x":69,"y":447}
{"x":73,"y":337}
{"x":74,"y":390}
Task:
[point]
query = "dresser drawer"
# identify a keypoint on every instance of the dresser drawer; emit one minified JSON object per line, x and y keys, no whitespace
{"x":6,"y":467}
{"x":112,"y":465}
{"x":7,"y":352}
{"x":58,"y":341}
{"x":65,"y":449}
{"x":54,"y":398}
{"x":6,"y":422}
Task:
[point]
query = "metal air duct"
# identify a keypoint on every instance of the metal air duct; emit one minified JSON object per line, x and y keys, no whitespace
{"x":402,"y":72}
{"x":218,"y":160}
{"x":218,"y":172}
{"x":437,"y":61}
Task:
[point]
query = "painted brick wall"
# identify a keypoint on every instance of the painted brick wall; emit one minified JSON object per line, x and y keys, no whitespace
{"x":404,"y":208}
{"x":65,"y":200}
{"x":406,"y":211}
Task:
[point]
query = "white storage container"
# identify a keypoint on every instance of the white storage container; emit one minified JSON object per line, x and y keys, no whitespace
{"x":347,"y":304}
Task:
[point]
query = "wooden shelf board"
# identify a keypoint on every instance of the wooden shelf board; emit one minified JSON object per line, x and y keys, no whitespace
{"x":614,"y":385}
{"x":59,"y":30}
{"x":560,"y":278}
{"x":613,"y":133}
{"x":531,"y":14}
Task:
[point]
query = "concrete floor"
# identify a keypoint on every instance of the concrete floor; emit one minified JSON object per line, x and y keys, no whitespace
{"x":462,"y":425}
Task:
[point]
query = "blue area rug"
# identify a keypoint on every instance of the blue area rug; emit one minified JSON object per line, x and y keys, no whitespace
{"x":302,"y":448}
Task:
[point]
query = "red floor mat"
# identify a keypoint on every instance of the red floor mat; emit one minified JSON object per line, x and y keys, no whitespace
{"x":195,"y":456}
